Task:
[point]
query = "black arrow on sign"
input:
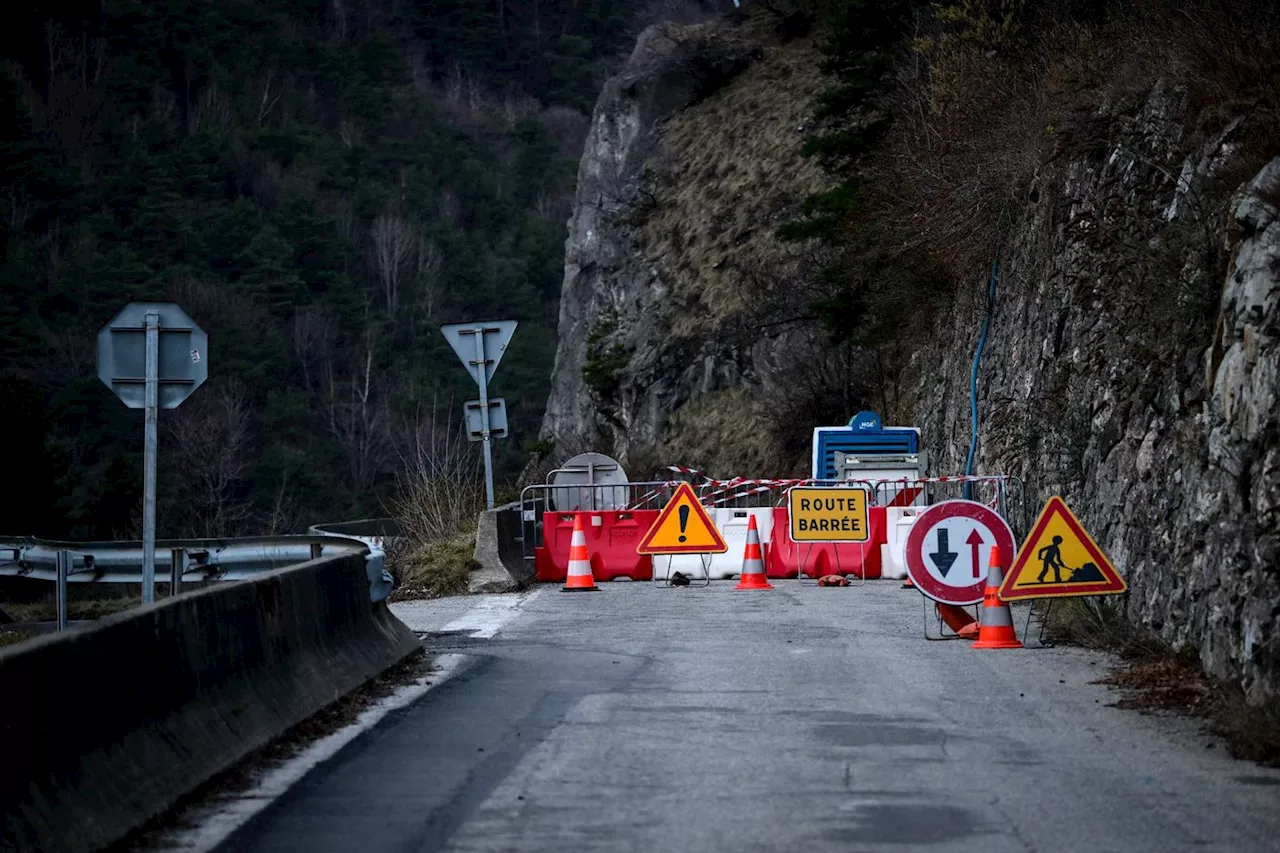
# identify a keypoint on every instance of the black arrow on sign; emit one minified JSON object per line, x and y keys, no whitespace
{"x":944,"y":558}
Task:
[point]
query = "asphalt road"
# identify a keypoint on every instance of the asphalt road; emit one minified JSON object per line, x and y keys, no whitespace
{"x":808,"y":719}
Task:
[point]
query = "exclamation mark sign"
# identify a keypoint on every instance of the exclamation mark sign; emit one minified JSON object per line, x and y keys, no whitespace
{"x":684,"y":520}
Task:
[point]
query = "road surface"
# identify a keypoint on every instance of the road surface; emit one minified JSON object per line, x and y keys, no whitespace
{"x":811,"y":719}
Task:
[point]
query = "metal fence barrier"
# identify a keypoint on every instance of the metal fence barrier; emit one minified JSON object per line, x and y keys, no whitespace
{"x":1002,"y":493}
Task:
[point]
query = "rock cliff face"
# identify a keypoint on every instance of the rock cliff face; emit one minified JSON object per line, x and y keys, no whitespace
{"x":1133,"y":362}
{"x":1167,"y":444}
{"x":686,"y":171}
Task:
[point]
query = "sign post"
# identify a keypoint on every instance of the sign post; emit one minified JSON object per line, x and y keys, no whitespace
{"x":151,"y":401}
{"x":153,"y":356}
{"x":480,"y":346}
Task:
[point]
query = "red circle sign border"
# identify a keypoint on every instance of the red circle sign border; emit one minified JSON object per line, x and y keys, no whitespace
{"x":925,"y":522}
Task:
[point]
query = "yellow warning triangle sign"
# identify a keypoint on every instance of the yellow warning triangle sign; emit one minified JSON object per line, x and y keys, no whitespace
{"x":683,"y":527}
{"x":1060,"y":559}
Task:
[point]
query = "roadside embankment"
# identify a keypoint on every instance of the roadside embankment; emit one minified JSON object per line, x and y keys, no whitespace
{"x":106,"y":727}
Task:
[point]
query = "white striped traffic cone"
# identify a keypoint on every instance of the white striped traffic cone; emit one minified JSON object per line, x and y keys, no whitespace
{"x":579,"y":577}
{"x":996,"y":631}
{"x":753,"y":576}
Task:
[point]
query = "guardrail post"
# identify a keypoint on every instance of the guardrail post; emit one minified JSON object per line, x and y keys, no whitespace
{"x":64,"y":568}
{"x":177,"y":562}
{"x":380,"y":581}
{"x":316,"y":549}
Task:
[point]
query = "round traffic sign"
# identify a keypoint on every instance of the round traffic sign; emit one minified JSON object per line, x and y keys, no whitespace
{"x":948,"y":548}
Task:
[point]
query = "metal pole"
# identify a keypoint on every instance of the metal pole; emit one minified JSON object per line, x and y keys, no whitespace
{"x":151,"y":403}
{"x":482,"y":377}
{"x":63,"y":564}
{"x":177,"y":562}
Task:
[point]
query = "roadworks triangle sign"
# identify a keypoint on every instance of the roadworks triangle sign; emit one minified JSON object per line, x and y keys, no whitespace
{"x":1059,"y":559}
{"x":683,"y":527}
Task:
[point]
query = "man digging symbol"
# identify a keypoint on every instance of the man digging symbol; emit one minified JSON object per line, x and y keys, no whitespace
{"x":1051,"y":557}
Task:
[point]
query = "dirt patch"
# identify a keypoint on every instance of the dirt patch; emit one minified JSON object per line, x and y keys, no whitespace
{"x":1155,"y":678}
{"x":242,"y":776}
{"x":1173,"y":684}
{"x":1163,"y":684}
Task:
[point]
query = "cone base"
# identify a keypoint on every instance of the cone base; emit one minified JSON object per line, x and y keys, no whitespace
{"x":579,"y":589}
{"x":760,"y":584}
{"x":1003,"y":641}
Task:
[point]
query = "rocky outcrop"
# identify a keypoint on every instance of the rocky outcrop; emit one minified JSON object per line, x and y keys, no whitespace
{"x":607,"y":279}
{"x":675,"y":208}
{"x":1107,"y":380}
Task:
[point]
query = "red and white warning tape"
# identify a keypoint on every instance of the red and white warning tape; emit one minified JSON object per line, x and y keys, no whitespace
{"x":716,"y":492}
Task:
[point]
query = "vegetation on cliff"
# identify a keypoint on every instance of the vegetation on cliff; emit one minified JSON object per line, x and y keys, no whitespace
{"x":938,"y":119}
{"x":938,"y":116}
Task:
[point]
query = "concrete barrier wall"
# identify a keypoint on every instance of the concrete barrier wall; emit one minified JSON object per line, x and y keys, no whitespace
{"x":104,"y":728}
{"x":499,"y":552}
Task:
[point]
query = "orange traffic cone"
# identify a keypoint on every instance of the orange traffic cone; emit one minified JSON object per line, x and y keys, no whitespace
{"x":907,"y":584}
{"x":997,"y":620}
{"x":958,"y":620}
{"x":579,"y":577}
{"x":753,"y":576}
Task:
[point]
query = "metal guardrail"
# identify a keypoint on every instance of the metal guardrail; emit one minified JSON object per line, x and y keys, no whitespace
{"x":190,"y":560}
{"x":377,"y":532}
{"x":196,"y":559}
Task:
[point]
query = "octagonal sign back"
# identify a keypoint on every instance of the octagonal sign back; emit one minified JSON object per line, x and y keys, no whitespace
{"x":122,"y":354}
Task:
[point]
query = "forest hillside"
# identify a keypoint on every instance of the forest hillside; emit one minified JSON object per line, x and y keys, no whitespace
{"x":320,"y":184}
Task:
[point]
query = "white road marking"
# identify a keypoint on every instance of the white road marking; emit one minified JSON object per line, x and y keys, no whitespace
{"x":489,"y":616}
{"x":214,"y":821}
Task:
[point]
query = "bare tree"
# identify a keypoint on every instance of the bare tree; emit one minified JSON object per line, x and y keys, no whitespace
{"x":340,"y":17}
{"x":450,"y":209}
{"x":207,"y":445}
{"x":429,"y":261}
{"x":71,"y":102}
{"x":440,"y":488}
{"x":350,"y":132}
{"x":212,"y":110}
{"x":357,"y":415}
{"x":269,"y":95}
{"x":454,"y":85}
{"x":282,"y":517}
{"x":17,"y":207}
{"x":394,"y":244}
{"x":517,"y":105}
{"x":314,"y":332}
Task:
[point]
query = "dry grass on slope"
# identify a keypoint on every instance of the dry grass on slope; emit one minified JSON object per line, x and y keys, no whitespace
{"x":730,"y":173}
{"x":434,"y":568}
{"x":725,"y":434}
